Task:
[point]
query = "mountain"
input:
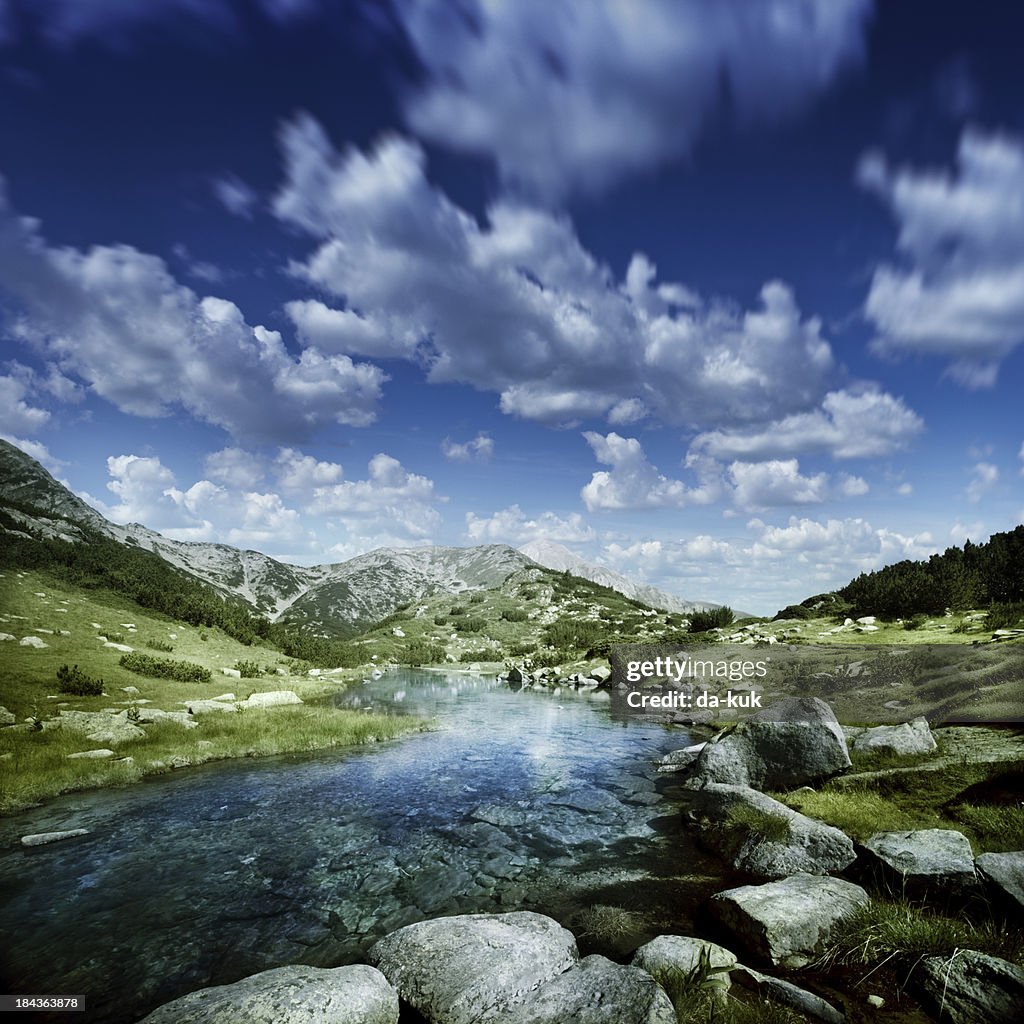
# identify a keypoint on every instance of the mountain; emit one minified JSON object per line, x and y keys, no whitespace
{"x":561,"y":559}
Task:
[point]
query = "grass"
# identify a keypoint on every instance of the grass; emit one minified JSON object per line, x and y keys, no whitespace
{"x":38,"y":768}
{"x":765,"y":826}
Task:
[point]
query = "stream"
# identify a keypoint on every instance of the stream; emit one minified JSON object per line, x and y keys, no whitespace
{"x":532,"y":800}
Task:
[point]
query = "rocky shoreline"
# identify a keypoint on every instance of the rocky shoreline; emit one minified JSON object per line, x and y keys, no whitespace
{"x":806,"y":881}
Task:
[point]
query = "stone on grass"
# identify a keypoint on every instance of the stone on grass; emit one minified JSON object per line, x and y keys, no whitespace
{"x":793,"y":743}
{"x":1004,"y":875}
{"x":99,"y":726}
{"x":271,"y":698}
{"x":97,"y":754}
{"x":789,"y":922}
{"x":33,"y":641}
{"x":667,"y":957}
{"x":904,"y":740}
{"x":788,"y":994}
{"x":595,"y":991}
{"x":289,"y":995}
{"x":754,"y":833}
{"x":43,"y":838}
{"x":234,"y":673}
{"x":7,"y":717}
{"x":462,"y":970}
{"x":972,"y":988}
{"x":926,"y":860}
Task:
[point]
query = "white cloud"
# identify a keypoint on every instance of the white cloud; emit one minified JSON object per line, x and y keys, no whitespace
{"x":234,"y":467}
{"x":960,"y":292}
{"x":479,"y":449}
{"x":851,"y":423}
{"x":905,"y":490}
{"x":299,"y":472}
{"x":17,"y":416}
{"x":634,"y":483}
{"x":760,"y":485}
{"x":511,"y":526}
{"x":518,"y":306}
{"x":577,"y":96}
{"x":235,"y":195}
{"x":37,"y":450}
{"x":984,"y":476}
{"x":960,"y":532}
{"x":852,"y":486}
{"x":115,"y":318}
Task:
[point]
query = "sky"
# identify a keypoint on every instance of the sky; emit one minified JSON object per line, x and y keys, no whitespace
{"x":726,"y":296}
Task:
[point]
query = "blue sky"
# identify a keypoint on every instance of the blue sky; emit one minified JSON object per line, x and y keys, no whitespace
{"x":727,"y":296}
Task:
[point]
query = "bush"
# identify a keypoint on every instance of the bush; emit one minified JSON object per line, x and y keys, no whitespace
{"x":476,"y":599}
{"x":794,"y":611}
{"x":74,"y":681}
{"x":165,"y":668}
{"x":440,"y":620}
{"x":248,"y":669}
{"x":515,"y":615}
{"x":1005,"y":616}
{"x":420,"y":653}
{"x":483,"y":654}
{"x":916,"y":622}
{"x":701,"y":622}
{"x":528,"y":593}
{"x":573,"y":634}
{"x":457,"y":610}
{"x":522,"y":650}
{"x":159,"y":645}
{"x":472,"y":625}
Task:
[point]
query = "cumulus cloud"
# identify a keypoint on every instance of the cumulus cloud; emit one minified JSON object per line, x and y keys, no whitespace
{"x":36,"y":449}
{"x":633,"y":482}
{"x":760,"y":485}
{"x":117,"y":319}
{"x":17,"y":415}
{"x":235,"y":467}
{"x":959,"y":292}
{"x":984,"y":476}
{"x":851,"y":423}
{"x":515,"y":304}
{"x":512,"y":526}
{"x":235,"y":195}
{"x":297,"y":471}
{"x":479,"y":449}
{"x":852,"y":486}
{"x":567,"y":96}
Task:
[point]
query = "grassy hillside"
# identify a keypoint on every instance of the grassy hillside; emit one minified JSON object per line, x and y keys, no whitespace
{"x":69,"y":619}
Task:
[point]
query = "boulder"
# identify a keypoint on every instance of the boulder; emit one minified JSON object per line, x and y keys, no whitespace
{"x":98,"y":754}
{"x":972,"y":988}
{"x":289,"y":995}
{"x":123,"y":648}
{"x":602,"y":673}
{"x":927,"y":860}
{"x":788,"y":922}
{"x":7,"y":717}
{"x":100,"y":726}
{"x":1003,"y":873}
{"x":44,"y":838}
{"x":908,"y":738}
{"x":788,"y":994}
{"x":6,"y":636}
{"x":668,"y":956}
{"x":182,"y":718}
{"x":202,"y":706}
{"x":754,"y":833}
{"x":680,"y":760}
{"x":796,"y":742}
{"x":33,"y":641}
{"x":595,"y":991}
{"x":270,"y":699}
{"x":233,"y":673}
{"x":462,"y":970}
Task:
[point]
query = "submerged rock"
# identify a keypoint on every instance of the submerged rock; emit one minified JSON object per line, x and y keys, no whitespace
{"x":788,"y":922}
{"x":972,"y":988}
{"x":43,"y":838}
{"x":289,"y":995}
{"x":754,"y":833}
{"x":463,"y":970}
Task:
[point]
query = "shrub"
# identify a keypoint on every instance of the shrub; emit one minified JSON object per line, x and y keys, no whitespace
{"x":440,"y":620}
{"x":115,"y":638}
{"x":73,"y":680}
{"x":248,"y":669}
{"x":159,"y":645}
{"x":522,"y":650}
{"x":420,"y":653}
{"x":476,"y":599}
{"x":472,"y":625}
{"x":165,"y":668}
{"x":515,"y":615}
{"x":457,"y":610}
{"x":916,"y":622}
{"x":701,"y":622}
{"x":483,"y":654}
{"x":1005,"y":616}
{"x":528,"y":593}
{"x":794,"y":611}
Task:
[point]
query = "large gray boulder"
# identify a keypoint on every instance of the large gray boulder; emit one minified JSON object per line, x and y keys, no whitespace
{"x":1003,"y":873}
{"x":788,"y":922}
{"x":929,"y":860}
{"x":795,"y":742}
{"x":972,"y":988}
{"x":595,"y":991}
{"x":667,"y":957}
{"x":289,"y":995}
{"x":99,"y":726}
{"x":462,"y":970}
{"x":754,"y":833}
{"x":904,"y":740}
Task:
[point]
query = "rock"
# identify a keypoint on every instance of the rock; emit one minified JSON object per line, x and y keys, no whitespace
{"x":499,"y":814}
{"x":908,"y":738}
{"x":930,"y":859}
{"x":32,"y":641}
{"x":595,"y":991}
{"x":515,"y":675}
{"x":202,"y":705}
{"x":123,"y":648}
{"x":42,"y":838}
{"x":754,"y":833}
{"x":788,"y":922}
{"x":6,"y":636}
{"x":7,"y":717}
{"x":234,"y":673}
{"x":1004,"y":875}
{"x":602,"y":673}
{"x":130,"y":689}
{"x":972,"y":988}
{"x":92,"y":754}
{"x":867,"y":620}
{"x":788,"y":994}
{"x":461,"y":970}
{"x":680,"y":760}
{"x":289,"y":995}
{"x":99,"y":726}
{"x":876,"y":1001}
{"x":665,"y":957}
{"x":182,"y":718}
{"x":792,"y":743}
{"x":272,"y":698}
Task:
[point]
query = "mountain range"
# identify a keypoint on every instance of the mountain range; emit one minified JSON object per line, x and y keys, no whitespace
{"x":339,"y":599}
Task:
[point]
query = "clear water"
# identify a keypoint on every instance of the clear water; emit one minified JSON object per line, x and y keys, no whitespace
{"x":530,"y":800}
